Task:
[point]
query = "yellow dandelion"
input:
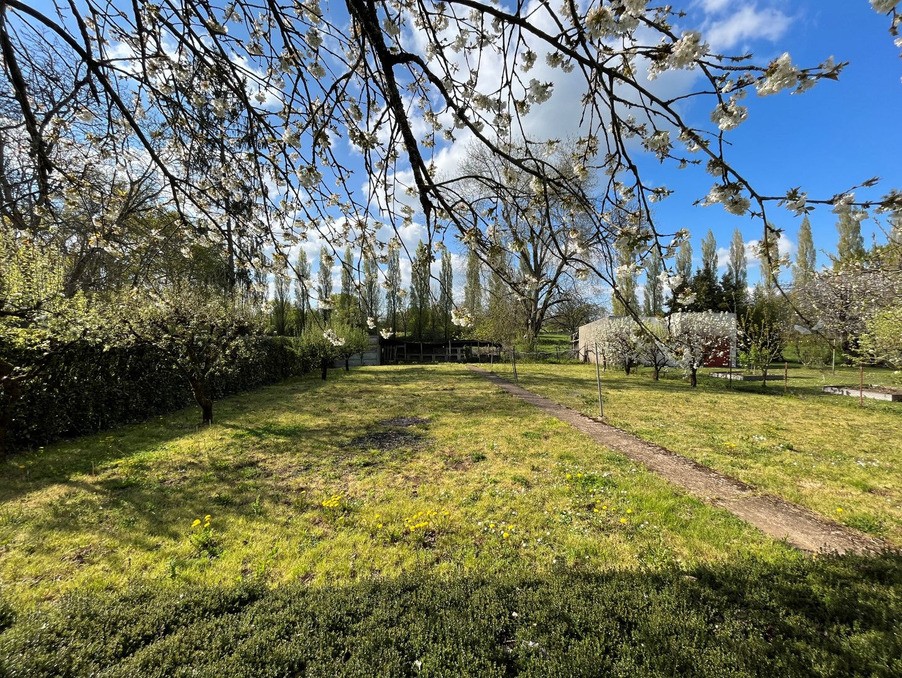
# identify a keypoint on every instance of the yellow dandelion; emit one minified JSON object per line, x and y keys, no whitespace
{"x":208,"y":518}
{"x":595,"y":510}
{"x":505,"y":535}
{"x":623,"y":521}
{"x":629,"y":510}
{"x":196,"y":522}
{"x":839,"y":510}
{"x":569,"y":476}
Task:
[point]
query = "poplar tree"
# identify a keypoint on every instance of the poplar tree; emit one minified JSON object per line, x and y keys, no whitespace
{"x":371,"y":298}
{"x":324,"y":277}
{"x":709,"y":253}
{"x":625,"y":301}
{"x":654,"y":289}
{"x":473,"y":291}
{"x":803,"y":271}
{"x":393,"y":284}
{"x":420,"y":295}
{"x":851,"y":244}
{"x":684,"y":261}
{"x":446,"y":292}
{"x":301,"y":291}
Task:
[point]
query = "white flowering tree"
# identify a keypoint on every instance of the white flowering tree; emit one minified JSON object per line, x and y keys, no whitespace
{"x":695,"y":338}
{"x":839,"y":303}
{"x":654,"y":350}
{"x":620,"y":341}
{"x":237,"y":108}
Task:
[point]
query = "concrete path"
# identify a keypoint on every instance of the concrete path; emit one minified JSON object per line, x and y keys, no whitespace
{"x":778,"y":518}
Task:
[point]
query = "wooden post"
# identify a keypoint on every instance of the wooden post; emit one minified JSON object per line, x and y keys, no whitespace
{"x":514,"y":364}
{"x":598,"y":380}
{"x":785,"y":376}
{"x":861,"y":385}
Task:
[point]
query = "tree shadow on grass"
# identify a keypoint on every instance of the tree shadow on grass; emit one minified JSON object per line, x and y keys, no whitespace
{"x":30,"y":471}
{"x":830,"y":616}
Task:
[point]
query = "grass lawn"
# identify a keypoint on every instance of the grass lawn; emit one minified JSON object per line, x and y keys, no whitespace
{"x":825,"y":452}
{"x":396,"y":521}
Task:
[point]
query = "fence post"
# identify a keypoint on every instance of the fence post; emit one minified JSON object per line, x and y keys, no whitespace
{"x":598,"y":379}
{"x":785,"y":376}
{"x":861,"y":385}
{"x":514,"y":364}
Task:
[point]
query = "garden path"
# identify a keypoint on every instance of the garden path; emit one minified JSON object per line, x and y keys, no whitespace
{"x":774,"y":516}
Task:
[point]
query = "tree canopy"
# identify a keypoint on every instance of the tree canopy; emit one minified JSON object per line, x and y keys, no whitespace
{"x":242,"y":113}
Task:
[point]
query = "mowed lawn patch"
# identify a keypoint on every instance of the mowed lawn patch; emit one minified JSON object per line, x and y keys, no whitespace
{"x":825,"y":452}
{"x":376,"y":472}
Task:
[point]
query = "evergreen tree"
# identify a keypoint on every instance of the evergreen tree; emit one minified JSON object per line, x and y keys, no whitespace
{"x":324,"y":277}
{"x":473,"y":287}
{"x":803,"y":271}
{"x":393,"y":284}
{"x":851,"y":244}
{"x":420,"y":296}
{"x":301,"y":291}
{"x":654,"y":289}
{"x":709,"y":253}
{"x":446,"y":292}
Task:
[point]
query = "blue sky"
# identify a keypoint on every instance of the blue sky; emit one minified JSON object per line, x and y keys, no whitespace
{"x":828,"y":139}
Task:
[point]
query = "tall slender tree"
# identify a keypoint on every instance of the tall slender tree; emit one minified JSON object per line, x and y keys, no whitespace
{"x":654,"y":288}
{"x":370,"y":295}
{"x":684,"y":261}
{"x":624,"y":300}
{"x":446,"y":292}
{"x":737,"y":265}
{"x":420,"y":293}
{"x":473,"y":291}
{"x":392,"y":283}
{"x":347,"y":298}
{"x":851,"y":244}
{"x":709,"y":253}
{"x":301,"y":291}
{"x":803,"y":271}
{"x":324,"y":278}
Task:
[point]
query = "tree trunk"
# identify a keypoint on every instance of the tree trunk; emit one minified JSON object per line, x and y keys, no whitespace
{"x":693,"y":377}
{"x":347,"y":366}
{"x":199,"y":389}
{"x":324,"y":366}
{"x":657,"y":372}
{"x":628,"y":367}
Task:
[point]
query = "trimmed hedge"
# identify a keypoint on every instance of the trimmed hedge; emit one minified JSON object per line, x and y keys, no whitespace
{"x":836,"y":616}
{"x":86,"y":389}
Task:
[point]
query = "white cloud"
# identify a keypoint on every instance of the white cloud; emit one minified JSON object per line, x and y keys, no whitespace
{"x":714,"y":6}
{"x":748,"y":24}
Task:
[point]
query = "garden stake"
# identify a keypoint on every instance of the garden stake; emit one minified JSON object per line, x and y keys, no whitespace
{"x":861,"y":385}
{"x":598,"y":379}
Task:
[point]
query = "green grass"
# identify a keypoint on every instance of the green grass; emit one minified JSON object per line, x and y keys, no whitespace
{"x":485,"y":539}
{"x":486,"y":486}
{"x":825,"y":452}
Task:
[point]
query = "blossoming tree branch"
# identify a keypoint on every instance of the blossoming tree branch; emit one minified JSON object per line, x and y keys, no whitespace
{"x":243,"y":113}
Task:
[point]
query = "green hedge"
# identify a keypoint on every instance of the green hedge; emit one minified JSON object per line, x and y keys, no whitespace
{"x":86,"y":389}
{"x":808,"y":617}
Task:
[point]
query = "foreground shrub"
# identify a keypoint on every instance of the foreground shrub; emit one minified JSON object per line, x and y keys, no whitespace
{"x":817,"y":617}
